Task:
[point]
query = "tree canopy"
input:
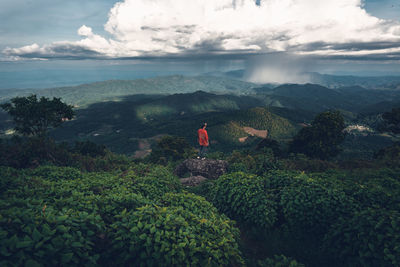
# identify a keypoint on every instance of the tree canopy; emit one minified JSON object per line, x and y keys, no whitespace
{"x":34,"y":117}
{"x":322,"y":138}
{"x":392,"y":120}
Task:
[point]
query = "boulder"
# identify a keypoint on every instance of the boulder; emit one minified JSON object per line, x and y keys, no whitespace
{"x":193,"y":180}
{"x":208,"y":168}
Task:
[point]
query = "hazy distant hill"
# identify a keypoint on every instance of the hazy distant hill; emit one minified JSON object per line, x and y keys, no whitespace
{"x":331,"y":81}
{"x":336,"y":81}
{"x":111,"y":90}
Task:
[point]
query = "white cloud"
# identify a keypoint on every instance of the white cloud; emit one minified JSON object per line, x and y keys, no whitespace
{"x":165,"y":27}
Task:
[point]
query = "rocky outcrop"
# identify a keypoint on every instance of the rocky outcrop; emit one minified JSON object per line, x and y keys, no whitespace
{"x":193,"y":180}
{"x":208,"y":168}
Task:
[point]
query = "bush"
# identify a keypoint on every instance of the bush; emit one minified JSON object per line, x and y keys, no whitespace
{"x":9,"y":178}
{"x":278,"y":261}
{"x":174,"y":236}
{"x":45,"y":237}
{"x":89,"y":148}
{"x":113,"y":204}
{"x":205,"y":189}
{"x":51,"y":217}
{"x":170,"y":148}
{"x":310,"y":208}
{"x":196,"y":204}
{"x":256,"y":163}
{"x":244,"y":197}
{"x":33,"y":152}
{"x":369,"y":238}
{"x":57,"y":173}
{"x":302,"y":163}
{"x":157,"y":182}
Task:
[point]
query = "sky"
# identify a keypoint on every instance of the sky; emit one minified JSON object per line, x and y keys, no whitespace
{"x":274,"y":39}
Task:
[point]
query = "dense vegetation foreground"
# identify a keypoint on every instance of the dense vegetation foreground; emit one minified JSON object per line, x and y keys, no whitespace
{"x":139,"y":215}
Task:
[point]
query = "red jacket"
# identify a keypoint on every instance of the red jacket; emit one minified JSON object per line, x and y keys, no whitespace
{"x":203,"y":137}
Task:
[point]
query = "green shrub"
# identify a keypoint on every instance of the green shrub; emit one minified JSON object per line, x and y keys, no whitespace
{"x":369,"y":238}
{"x":46,"y":237}
{"x":266,"y":162}
{"x":174,"y":236}
{"x":196,"y":204}
{"x":57,"y":173}
{"x":89,"y":148}
{"x":9,"y":178}
{"x":244,"y":197}
{"x":156,"y":183}
{"x":279,"y":179}
{"x":303,"y":163}
{"x":113,"y":204}
{"x":170,"y":148}
{"x":310,"y":207}
{"x":277,"y":261}
{"x":205,"y":189}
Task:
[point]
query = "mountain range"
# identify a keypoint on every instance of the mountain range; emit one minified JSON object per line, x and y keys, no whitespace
{"x":125,"y":114}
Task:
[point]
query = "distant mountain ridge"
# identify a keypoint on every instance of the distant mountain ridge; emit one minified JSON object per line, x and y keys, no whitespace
{"x":336,"y":81}
{"x":111,"y":90}
{"x":328,"y":80}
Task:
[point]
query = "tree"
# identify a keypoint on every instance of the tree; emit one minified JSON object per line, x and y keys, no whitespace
{"x":33,"y":117}
{"x":322,"y":138}
{"x":171,"y":148}
{"x":392,"y":120}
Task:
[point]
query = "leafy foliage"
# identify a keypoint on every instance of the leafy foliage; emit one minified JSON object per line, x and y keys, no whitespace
{"x":368,"y":238}
{"x":35,"y":117}
{"x":329,"y":210}
{"x":89,"y":148}
{"x":171,"y":148}
{"x":176,"y":235}
{"x":48,"y":237}
{"x":32,"y":152}
{"x":390,"y":155}
{"x":320,"y":140}
{"x":392,"y":120}
{"x":61,"y":216}
{"x":243,"y":197}
{"x":256,"y":163}
{"x":278,"y":261}
{"x":310,"y":208}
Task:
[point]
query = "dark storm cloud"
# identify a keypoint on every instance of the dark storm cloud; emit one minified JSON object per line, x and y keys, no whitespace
{"x":354,"y":46}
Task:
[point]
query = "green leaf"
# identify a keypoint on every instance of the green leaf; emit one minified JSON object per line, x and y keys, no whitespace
{"x":62,"y":218}
{"x":36,"y":235}
{"x":76,"y":244}
{"x":23,"y":244}
{"x":32,"y":263}
{"x":65,"y":258}
{"x":4,"y":252}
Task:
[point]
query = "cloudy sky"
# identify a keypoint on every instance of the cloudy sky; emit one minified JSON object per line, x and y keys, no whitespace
{"x":331,"y":35}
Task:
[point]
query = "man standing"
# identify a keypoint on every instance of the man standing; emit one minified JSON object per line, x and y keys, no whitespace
{"x":203,"y":141}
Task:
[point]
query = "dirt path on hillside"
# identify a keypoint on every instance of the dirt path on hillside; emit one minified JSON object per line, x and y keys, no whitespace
{"x":253,"y":132}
